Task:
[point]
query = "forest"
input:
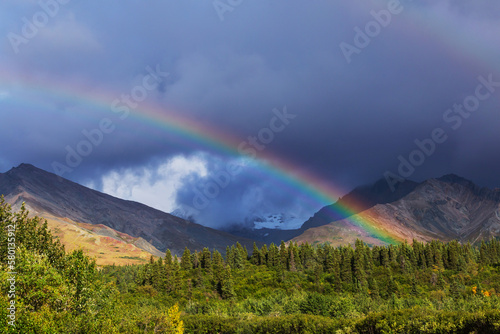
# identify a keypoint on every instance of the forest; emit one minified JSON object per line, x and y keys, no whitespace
{"x":412,"y":287}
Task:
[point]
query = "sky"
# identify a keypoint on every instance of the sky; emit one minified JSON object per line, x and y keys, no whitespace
{"x":229,"y":109}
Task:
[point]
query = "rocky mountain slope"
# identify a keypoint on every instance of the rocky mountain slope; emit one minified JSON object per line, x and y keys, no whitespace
{"x":446,"y":208}
{"x":49,"y":195}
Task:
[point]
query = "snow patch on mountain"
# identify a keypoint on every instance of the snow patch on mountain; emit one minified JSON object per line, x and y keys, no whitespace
{"x":279,"y":221}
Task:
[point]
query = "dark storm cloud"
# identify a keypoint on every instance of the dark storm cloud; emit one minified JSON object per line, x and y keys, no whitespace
{"x":217,"y":201}
{"x":353,"y":119}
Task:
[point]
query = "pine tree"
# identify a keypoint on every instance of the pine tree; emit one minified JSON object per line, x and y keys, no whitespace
{"x":157,"y":274}
{"x":168,"y":258}
{"x":358,"y":266}
{"x":273,"y":256}
{"x":283,"y":257}
{"x":484,"y":256}
{"x":226,"y":284}
{"x":453,"y":254}
{"x":239,"y":257}
{"x":329,"y":263}
{"x":296,"y":255}
{"x":346,"y":264}
{"x":175,"y":281}
{"x":243,"y":252}
{"x":414,"y":287}
{"x":374,"y":288}
{"x":376,"y":256}
{"x":186,"y":261}
{"x":229,"y":256}
{"x":293,"y":267}
{"x":217,"y":266}
{"x":307,"y":255}
{"x":195,"y":259}
{"x":264,"y":254}
{"x":429,"y":258}
{"x":206,"y":259}
{"x":256,"y":257}
{"x":392,"y":287}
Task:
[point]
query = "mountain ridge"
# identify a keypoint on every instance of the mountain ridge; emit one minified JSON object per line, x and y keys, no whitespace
{"x":47,"y":193}
{"x":445,"y":208}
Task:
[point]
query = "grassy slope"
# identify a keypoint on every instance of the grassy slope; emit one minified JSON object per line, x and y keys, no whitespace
{"x":100,"y":242}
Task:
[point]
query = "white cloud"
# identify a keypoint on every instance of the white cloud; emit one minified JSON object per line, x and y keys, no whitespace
{"x":154,"y":186}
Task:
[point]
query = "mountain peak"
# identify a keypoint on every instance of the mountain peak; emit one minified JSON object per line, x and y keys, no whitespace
{"x":25,"y":165}
{"x":23,"y":168}
{"x":453,"y":178}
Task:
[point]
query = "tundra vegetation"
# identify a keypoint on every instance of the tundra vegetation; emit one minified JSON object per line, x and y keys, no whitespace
{"x":288,"y":288}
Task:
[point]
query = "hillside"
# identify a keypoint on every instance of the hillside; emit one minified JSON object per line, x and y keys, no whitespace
{"x":446,"y":208}
{"x":48,"y":195}
{"x":104,"y":244}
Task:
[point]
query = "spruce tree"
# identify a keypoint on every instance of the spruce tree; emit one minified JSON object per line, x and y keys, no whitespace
{"x":238,"y":255}
{"x":264,"y":254}
{"x":226,"y":284}
{"x":217,"y":266}
{"x":206,"y":259}
{"x":283,"y":255}
{"x":256,"y":256}
{"x":186,"y":261}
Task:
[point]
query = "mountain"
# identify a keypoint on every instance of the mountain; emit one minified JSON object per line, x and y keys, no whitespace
{"x":358,"y":200}
{"x":48,"y":195}
{"x":446,"y":208}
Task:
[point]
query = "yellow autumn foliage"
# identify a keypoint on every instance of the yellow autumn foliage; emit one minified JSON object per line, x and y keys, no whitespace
{"x":173,"y":322}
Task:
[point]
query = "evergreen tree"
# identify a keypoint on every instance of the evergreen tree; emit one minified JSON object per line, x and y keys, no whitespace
{"x":273,"y":256}
{"x":359,"y":266}
{"x":374,"y":288}
{"x":453,"y":254}
{"x":484,"y":254}
{"x":226,"y":284}
{"x":217,"y":266}
{"x":346,"y":264}
{"x":238,"y":255}
{"x":229,"y":256}
{"x":168,"y":258}
{"x":256,"y":256}
{"x":283,"y":257}
{"x":307,"y":255}
{"x":414,"y":287}
{"x":206,"y":259}
{"x":293,"y":266}
{"x":195,"y":259}
{"x":296,"y":256}
{"x":186,"y":260}
{"x":264,"y":254}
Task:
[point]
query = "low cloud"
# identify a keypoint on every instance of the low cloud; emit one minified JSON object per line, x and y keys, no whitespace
{"x":156,"y":186}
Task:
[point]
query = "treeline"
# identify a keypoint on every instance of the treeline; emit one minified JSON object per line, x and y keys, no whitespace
{"x":347,"y":269}
{"x":419,"y":288}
